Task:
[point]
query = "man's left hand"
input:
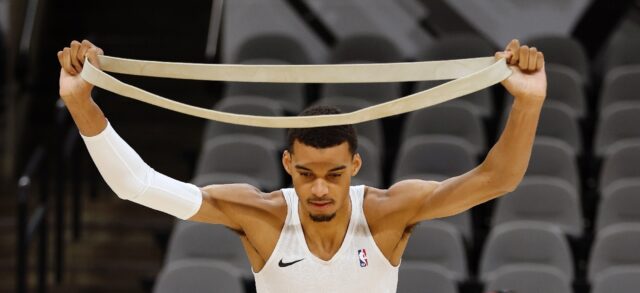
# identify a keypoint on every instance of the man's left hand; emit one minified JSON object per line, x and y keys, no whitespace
{"x":529,"y":80}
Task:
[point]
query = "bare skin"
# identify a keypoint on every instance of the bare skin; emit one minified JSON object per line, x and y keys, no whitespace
{"x":321,"y":177}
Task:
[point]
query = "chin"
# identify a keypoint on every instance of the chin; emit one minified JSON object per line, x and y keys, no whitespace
{"x":322,"y":218}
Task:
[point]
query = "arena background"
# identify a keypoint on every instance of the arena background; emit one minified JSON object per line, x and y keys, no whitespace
{"x":573,"y":225}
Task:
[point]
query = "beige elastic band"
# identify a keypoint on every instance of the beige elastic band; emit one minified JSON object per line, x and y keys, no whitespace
{"x":469,"y":75}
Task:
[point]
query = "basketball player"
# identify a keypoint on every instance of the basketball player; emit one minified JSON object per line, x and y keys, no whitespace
{"x":322,"y":235}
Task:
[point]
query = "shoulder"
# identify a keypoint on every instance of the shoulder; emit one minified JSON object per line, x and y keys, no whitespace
{"x":246,"y":198}
{"x":398,"y":199}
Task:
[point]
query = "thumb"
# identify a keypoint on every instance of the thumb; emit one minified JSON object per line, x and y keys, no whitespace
{"x":504,"y":54}
{"x":92,"y":55}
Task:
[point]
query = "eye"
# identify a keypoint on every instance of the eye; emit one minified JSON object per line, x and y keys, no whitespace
{"x":305,"y":174}
{"x":335,"y":175}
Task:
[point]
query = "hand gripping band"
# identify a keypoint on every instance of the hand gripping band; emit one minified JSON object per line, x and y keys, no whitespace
{"x":469,"y":75}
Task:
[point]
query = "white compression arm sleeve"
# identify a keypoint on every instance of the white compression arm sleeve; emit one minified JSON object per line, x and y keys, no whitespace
{"x":132,"y":179}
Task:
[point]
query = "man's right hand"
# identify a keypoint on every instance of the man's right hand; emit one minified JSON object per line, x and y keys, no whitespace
{"x":72,"y":87}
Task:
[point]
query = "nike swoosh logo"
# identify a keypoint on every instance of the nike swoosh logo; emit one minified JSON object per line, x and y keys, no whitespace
{"x":286,"y":264}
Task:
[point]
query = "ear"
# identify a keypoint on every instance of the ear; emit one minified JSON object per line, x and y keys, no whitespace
{"x":356,"y":163}
{"x":286,"y":161}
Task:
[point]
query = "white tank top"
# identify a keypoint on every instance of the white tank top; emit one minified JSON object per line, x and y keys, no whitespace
{"x":358,"y":266}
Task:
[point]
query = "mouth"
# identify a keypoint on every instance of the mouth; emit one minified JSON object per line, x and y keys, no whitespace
{"x":320,"y":204}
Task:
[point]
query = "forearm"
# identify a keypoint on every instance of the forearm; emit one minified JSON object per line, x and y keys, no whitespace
{"x":88,"y":117}
{"x":132,"y":179}
{"x":509,"y":157}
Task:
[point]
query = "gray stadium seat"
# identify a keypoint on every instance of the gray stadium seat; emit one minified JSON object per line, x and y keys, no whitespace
{"x":258,"y":29}
{"x":554,"y":160}
{"x":437,"y":243}
{"x":192,"y":240}
{"x":290,"y":96}
{"x":527,"y":278}
{"x":461,"y":46}
{"x":620,"y":203}
{"x":381,"y":17}
{"x":462,"y":222}
{"x":557,"y":121}
{"x":621,"y":165}
{"x":615,"y":246}
{"x":618,"y":280}
{"x":433,"y":158}
{"x":618,"y":124}
{"x":371,"y":130}
{"x":447,"y":120}
{"x":419,"y":278}
{"x":198,"y":276}
{"x":525,"y":243}
{"x":621,"y":84}
{"x":371,"y":172}
{"x":250,"y":105}
{"x":364,"y":48}
{"x":481,"y":102}
{"x":239,"y":159}
{"x":564,"y":51}
{"x":564,"y":86}
{"x":553,"y":202}
{"x":621,"y":52}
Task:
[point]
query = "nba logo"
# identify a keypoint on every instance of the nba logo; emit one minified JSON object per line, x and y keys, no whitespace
{"x":362,"y":256}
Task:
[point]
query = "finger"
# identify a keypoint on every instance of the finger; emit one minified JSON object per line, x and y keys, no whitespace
{"x":75,"y":46}
{"x":66,"y":61}
{"x":514,"y":47}
{"x":524,"y":57}
{"x":92,"y":55}
{"x":84,"y":46}
{"x":533,"y":54}
{"x":504,"y":54}
{"x":60,"y":59}
{"x":539,"y":61}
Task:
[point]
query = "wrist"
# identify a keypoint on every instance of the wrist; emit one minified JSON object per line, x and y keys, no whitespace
{"x":530,"y":102}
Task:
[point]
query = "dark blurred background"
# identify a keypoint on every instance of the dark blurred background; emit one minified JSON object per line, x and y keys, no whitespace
{"x":573,"y":225}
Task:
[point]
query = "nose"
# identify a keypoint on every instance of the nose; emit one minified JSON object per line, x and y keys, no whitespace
{"x":319,"y":188}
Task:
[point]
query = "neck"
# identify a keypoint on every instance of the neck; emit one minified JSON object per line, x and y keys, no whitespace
{"x":325,"y":238}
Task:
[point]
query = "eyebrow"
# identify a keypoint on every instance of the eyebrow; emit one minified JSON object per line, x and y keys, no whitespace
{"x":342,"y":167}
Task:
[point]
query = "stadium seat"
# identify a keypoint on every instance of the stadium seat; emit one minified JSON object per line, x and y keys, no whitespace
{"x":239,"y":159}
{"x":620,"y":203}
{"x":371,"y":172}
{"x":371,"y":130}
{"x":615,"y":246}
{"x":528,"y":278}
{"x":193,"y":240}
{"x":198,"y":275}
{"x":619,"y":280}
{"x":447,"y":120}
{"x":290,"y":96}
{"x":618,"y":124}
{"x":525,"y":242}
{"x":564,"y":51}
{"x":419,"y":278}
{"x":437,"y":243}
{"x":364,"y":48}
{"x":433,"y":158}
{"x":536,"y":199}
{"x":554,"y":160}
{"x":250,"y":105}
{"x":564,"y":86}
{"x":620,"y":165}
{"x":621,"y":84}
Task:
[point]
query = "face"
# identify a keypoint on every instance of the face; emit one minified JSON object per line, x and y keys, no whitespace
{"x":321,"y":177}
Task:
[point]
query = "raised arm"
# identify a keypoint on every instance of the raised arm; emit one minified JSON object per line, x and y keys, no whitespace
{"x":129,"y":176}
{"x":506,"y":163}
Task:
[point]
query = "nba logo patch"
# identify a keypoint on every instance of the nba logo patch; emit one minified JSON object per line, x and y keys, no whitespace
{"x":362,"y":256}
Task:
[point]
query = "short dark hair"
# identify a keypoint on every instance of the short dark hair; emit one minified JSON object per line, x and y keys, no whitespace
{"x":323,"y":137}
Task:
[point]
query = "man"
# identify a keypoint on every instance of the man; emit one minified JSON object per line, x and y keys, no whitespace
{"x":323,"y":235}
